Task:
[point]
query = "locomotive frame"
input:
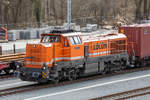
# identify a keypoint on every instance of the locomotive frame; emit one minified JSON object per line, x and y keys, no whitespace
{"x":63,"y":59}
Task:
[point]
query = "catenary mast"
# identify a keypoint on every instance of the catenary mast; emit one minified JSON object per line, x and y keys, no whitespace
{"x":69,"y":14}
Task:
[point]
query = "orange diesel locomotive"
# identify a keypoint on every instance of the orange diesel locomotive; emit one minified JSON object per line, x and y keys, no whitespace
{"x":64,"y":55}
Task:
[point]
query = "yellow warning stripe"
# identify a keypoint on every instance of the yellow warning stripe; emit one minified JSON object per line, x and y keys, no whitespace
{"x":44,"y":75}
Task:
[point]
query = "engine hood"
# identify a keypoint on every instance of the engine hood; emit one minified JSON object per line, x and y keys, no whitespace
{"x":38,"y":54}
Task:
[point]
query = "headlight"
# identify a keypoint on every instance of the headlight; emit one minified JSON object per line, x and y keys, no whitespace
{"x":44,"y":67}
{"x":18,"y":66}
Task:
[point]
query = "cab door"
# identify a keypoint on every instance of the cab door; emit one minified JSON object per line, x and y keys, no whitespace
{"x":77,"y":48}
{"x":66,"y":50}
{"x":57,"y":48}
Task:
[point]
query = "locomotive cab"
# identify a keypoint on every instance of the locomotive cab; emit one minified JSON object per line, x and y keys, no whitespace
{"x":42,"y":59}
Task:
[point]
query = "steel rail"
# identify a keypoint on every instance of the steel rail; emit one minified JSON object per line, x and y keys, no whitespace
{"x":28,"y":88}
{"x":4,"y":76}
{"x":126,"y":95}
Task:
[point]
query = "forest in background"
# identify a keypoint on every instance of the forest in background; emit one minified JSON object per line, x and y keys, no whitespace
{"x":26,"y":13}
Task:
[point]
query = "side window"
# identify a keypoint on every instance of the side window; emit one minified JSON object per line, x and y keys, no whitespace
{"x":79,"y":40}
{"x":72,"y":40}
{"x":76,"y":40}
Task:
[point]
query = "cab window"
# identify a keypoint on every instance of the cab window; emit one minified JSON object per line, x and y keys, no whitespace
{"x":75,"y":40}
{"x":51,"y":39}
{"x":72,"y":40}
{"x":79,"y":40}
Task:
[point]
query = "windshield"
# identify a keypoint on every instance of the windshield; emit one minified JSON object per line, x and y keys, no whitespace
{"x":50,"y":39}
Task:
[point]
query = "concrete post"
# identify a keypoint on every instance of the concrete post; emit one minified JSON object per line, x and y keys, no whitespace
{"x":14,"y":47}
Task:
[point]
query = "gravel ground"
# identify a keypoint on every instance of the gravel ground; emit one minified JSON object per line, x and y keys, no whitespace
{"x":13,"y":82}
{"x":145,"y":97}
{"x":88,"y":89}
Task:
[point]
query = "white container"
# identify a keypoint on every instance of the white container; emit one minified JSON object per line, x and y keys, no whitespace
{"x":11,"y":37}
{"x":17,"y":32}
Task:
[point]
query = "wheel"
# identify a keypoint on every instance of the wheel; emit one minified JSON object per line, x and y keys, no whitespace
{"x":75,"y":74}
{"x":70,"y":75}
{"x":7,"y":71}
{"x":56,"y":80}
{"x":104,"y":71}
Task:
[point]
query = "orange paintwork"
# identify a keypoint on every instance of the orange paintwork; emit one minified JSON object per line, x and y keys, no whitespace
{"x":106,"y":47}
{"x":51,"y":53}
{"x":36,"y":53}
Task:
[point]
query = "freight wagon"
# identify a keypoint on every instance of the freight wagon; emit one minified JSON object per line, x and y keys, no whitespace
{"x":138,"y":43}
{"x":6,"y":67}
{"x":10,"y":62}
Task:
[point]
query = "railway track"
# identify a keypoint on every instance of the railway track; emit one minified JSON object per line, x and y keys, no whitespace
{"x":28,"y":88}
{"x":126,"y":95}
{"x":4,"y":76}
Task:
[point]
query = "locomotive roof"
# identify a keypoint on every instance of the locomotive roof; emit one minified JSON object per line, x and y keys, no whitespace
{"x":137,"y":25}
{"x":64,"y":32}
{"x":93,"y":36}
{"x":100,"y":37}
{"x":87,"y":37}
{"x":72,"y":34}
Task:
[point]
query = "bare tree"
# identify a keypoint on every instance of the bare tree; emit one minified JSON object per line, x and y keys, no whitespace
{"x":62,"y":2}
{"x":55,"y":11}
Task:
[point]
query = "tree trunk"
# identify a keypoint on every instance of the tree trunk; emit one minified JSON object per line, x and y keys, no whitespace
{"x":38,"y":12}
{"x":62,"y":11}
{"x":145,"y":9}
{"x":138,"y":10}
